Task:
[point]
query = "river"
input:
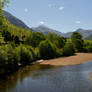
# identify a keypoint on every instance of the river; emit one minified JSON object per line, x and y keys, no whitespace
{"x":46,"y":78}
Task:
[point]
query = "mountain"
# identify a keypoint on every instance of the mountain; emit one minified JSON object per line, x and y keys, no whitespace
{"x":46,"y":30}
{"x":85,"y":33}
{"x":15,"y":21}
{"x":89,"y":38}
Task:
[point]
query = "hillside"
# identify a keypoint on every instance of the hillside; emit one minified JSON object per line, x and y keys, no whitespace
{"x":15,"y":21}
{"x":89,"y":38}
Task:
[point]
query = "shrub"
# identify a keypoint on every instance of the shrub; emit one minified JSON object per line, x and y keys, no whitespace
{"x":89,"y":48}
{"x":78,"y":45}
{"x":47,"y":50}
{"x":59,"y":52}
{"x":37,"y":53}
{"x":57,"y":40}
{"x":77,"y":41}
{"x":32,"y":50}
{"x":68,"y":49}
{"x":13,"y":57}
{"x":3,"y":56}
{"x":25,"y":55}
{"x":8,"y":56}
{"x":34,"y":39}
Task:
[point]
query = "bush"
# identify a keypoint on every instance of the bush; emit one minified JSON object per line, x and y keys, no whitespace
{"x":34,"y":39}
{"x":89,"y":48}
{"x":37,"y":53}
{"x":3,"y":56}
{"x":25,"y":55}
{"x":78,"y":45}
{"x":57,"y":40}
{"x":8,"y":56}
{"x":32,"y":50}
{"x":47,"y":50}
{"x":59,"y":52}
{"x":68,"y":49}
{"x":77,"y":41}
{"x":12,"y":54}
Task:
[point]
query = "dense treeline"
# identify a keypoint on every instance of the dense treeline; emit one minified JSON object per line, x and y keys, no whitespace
{"x":21,"y":47}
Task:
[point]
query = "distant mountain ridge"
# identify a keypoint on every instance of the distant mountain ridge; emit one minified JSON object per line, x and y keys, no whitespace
{"x":15,"y":21}
{"x":47,"y":30}
{"x":44,"y":29}
{"x":89,"y":38}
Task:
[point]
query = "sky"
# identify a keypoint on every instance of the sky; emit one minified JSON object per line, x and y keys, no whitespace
{"x":61,"y":15}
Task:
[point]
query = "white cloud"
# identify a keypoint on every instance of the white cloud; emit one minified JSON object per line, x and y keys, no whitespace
{"x":78,"y":22}
{"x":61,"y":8}
{"x":42,"y":22}
{"x":25,"y":10}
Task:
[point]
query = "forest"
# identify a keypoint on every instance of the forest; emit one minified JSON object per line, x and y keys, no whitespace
{"x":22,"y":47}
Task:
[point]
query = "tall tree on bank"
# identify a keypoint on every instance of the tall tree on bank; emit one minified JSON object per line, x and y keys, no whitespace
{"x":77,"y":41}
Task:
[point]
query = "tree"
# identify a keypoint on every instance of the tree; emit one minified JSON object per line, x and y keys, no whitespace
{"x":1,"y":38}
{"x":34,"y":39}
{"x":89,"y":48}
{"x":16,"y":40}
{"x":77,"y":41}
{"x":68,"y":49}
{"x":7,"y":35}
{"x":76,"y":35}
{"x":3,"y":3}
{"x":47,"y":50}
{"x":25,"y":55}
{"x":57,"y":40}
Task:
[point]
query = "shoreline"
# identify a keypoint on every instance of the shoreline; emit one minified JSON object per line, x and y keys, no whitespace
{"x":78,"y":58}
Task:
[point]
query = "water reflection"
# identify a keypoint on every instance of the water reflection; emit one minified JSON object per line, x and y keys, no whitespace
{"x":11,"y":81}
{"x":45,"y":78}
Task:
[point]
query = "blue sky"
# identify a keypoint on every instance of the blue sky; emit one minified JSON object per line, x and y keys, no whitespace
{"x":61,"y":15}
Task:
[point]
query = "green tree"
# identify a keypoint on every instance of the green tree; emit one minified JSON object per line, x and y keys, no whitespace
{"x":77,"y":41}
{"x":34,"y":39}
{"x":3,"y":56}
{"x":57,"y":40}
{"x":16,"y":40}
{"x":25,"y":55}
{"x":76,"y":35}
{"x":68,"y":49}
{"x":47,"y":50}
{"x":89,"y":48}
{"x":7,"y":35}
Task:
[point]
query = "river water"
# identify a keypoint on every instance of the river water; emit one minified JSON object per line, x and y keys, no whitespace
{"x":45,"y":78}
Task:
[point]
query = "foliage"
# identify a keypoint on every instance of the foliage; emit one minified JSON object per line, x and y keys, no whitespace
{"x":57,"y":40}
{"x":68,"y":49}
{"x":76,"y":35}
{"x":16,"y":40}
{"x":47,"y":50}
{"x":89,"y":49}
{"x":25,"y":55}
{"x":3,"y":56}
{"x":3,"y":3}
{"x":77,"y":41}
{"x":34,"y":39}
{"x":32,"y":50}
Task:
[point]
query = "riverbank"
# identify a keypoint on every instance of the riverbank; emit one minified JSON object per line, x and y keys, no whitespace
{"x":78,"y":58}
